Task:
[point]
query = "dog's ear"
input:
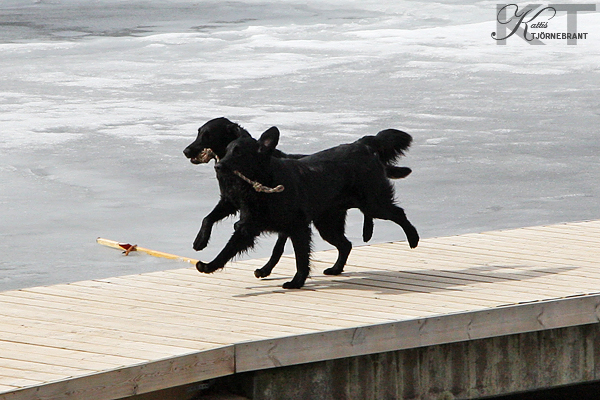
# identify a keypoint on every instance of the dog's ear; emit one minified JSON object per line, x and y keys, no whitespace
{"x":268,"y":140}
{"x":234,"y":129}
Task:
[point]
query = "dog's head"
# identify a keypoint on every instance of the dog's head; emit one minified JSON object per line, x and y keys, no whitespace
{"x":216,"y":135}
{"x":249,"y":156}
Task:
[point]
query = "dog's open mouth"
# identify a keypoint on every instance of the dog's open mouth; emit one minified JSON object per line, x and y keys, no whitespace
{"x":205,"y":156}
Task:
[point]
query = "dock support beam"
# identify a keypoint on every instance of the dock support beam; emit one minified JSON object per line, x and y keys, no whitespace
{"x":463,"y":370}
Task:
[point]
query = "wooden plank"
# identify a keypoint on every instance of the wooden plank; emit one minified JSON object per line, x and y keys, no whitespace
{"x":192,"y":330}
{"x":137,"y":379}
{"x":411,"y":285}
{"x":445,"y":252}
{"x":33,"y":375}
{"x":7,"y":388}
{"x":470,"y":290}
{"x":63,"y":357}
{"x":18,"y":382}
{"x":544,"y":286}
{"x":102,"y":345}
{"x":444,"y":299}
{"x":248,"y":306}
{"x":504,"y":302}
{"x":496,"y":239}
{"x":565,"y":281}
{"x":41,"y":367}
{"x":568,"y":229}
{"x":56,"y":328}
{"x":416,"y":333}
{"x":540,"y":235}
{"x":551,"y":251}
{"x":442,"y":257}
{"x":366,"y":301}
{"x":173,"y":315}
{"x":369,"y":305}
{"x":505,"y":278}
{"x":417,"y":290}
{"x":239,"y":311}
{"x":37,"y":355}
{"x":282,"y":296}
{"x":556,"y":252}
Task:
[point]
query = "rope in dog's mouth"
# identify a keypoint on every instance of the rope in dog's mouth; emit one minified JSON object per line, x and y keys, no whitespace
{"x":207,"y":154}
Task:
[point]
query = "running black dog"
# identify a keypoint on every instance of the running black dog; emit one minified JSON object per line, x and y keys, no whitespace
{"x":216,"y":135}
{"x":317,"y":188}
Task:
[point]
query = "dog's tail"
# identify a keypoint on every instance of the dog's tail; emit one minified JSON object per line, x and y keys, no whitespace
{"x":389,"y":145}
{"x":393,"y":172}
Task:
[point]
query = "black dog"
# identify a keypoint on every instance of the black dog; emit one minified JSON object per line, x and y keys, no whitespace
{"x":216,"y":135}
{"x":317,"y":188}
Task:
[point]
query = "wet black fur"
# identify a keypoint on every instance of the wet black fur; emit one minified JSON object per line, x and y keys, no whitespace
{"x":217,"y":133}
{"x":318,"y":188}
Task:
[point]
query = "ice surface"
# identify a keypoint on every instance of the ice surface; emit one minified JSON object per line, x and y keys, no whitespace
{"x":99,"y":98}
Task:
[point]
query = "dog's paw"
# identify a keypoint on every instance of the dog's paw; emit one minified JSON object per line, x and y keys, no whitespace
{"x":262,"y":272}
{"x":295,"y":283}
{"x":201,"y":267}
{"x":333,"y":271}
{"x":413,"y":240}
{"x":205,"y":268}
{"x":292,"y":285}
{"x":200,"y":243}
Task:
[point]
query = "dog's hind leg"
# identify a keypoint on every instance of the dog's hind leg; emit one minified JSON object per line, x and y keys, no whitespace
{"x":331,"y":227}
{"x":242,"y":239}
{"x":301,"y":240}
{"x":396,"y":214}
{"x":222,"y":209}
{"x":275,"y":257}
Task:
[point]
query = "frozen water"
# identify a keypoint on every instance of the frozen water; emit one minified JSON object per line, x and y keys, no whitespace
{"x":99,"y":98}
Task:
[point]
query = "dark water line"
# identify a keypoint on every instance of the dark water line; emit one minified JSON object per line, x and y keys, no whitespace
{"x":584,"y":391}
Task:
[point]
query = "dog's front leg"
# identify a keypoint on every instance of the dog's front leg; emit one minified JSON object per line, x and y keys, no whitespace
{"x":242,"y":239}
{"x":223,"y":209}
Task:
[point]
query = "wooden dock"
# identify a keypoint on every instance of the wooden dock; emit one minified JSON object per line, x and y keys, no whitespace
{"x":112,"y":338}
